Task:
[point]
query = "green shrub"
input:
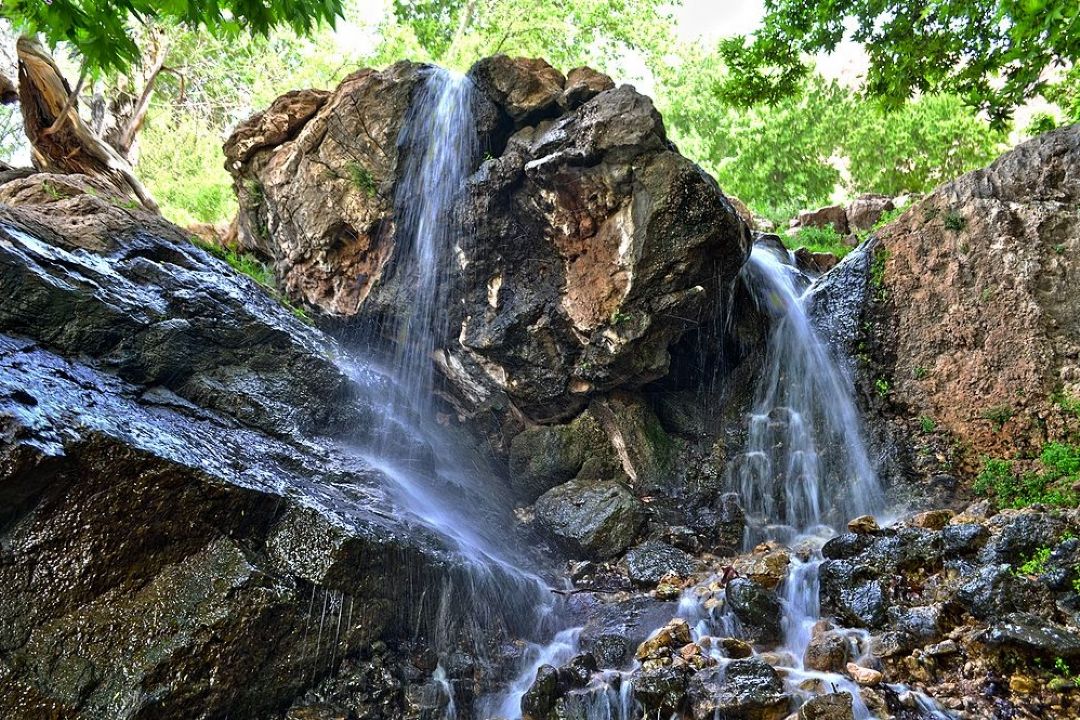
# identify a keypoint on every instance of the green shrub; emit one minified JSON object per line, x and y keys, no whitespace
{"x":888,"y":216}
{"x":823,"y":240}
{"x":1068,"y":403}
{"x":1061,"y":460}
{"x":919,"y":372}
{"x":1036,"y":564}
{"x":1050,"y":486}
{"x":882,"y":387}
{"x":954,"y":220}
{"x":927,"y":424}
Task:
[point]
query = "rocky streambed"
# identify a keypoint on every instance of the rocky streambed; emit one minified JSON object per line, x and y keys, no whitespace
{"x":214,"y":503}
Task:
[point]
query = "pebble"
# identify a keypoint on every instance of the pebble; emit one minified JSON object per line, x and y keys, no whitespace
{"x":864,"y":524}
{"x":863,"y":675}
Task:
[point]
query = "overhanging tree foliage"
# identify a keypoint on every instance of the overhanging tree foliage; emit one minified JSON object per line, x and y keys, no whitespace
{"x":992,"y":53}
{"x":597,"y":32}
{"x":103,"y":34}
{"x":103,"y":31}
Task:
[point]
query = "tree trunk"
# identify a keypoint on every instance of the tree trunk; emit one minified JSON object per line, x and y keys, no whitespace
{"x":61,"y":141}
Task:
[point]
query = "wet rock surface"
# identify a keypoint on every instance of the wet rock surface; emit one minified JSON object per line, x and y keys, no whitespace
{"x":597,"y":519}
{"x":648,"y":563}
{"x":977,"y":288}
{"x":173,"y":540}
{"x":613,"y":229}
{"x":182,"y":522}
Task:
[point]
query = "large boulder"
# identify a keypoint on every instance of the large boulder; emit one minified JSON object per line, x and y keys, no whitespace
{"x":589,"y":244}
{"x":758,"y":610}
{"x":619,"y":246}
{"x":544,"y":456}
{"x":979,"y":319}
{"x":168,"y":523}
{"x":866,"y":210}
{"x":834,"y":216}
{"x":649,"y":562}
{"x":314,"y":175}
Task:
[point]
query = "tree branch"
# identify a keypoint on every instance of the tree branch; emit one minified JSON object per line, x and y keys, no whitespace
{"x":72,"y":98}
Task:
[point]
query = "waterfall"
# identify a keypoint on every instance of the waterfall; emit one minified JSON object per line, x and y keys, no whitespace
{"x":805,"y":463}
{"x":440,"y":141}
{"x":432,"y":477}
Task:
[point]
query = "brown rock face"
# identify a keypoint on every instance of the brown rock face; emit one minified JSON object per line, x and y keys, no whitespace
{"x":314,"y":175}
{"x":981,"y":285}
{"x":619,"y":245}
{"x":831,"y":215}
{"x":864,"y":211}
{"x":525,"y":88}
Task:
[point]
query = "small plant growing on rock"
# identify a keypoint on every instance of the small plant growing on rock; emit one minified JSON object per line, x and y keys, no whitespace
{"x":882,"y":387}
{"x":362,"y":179}
{"x":954,"y":220}
{"x":1053,"y":485}
{"x":254,"y":192}
{"x":51,"y":190}
{"x":888,"y":216}
{"x":1068,"y":403}
{"x":1036,"y":564}
{"x":998,"y":415}
{"x":877,"y":273}
{"x":927,"y":424}
{"x":919,"y":372}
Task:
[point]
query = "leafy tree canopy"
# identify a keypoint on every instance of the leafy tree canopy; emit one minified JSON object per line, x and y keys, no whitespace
{"x":992,"y":53}
{"x":598,"y":32}
{"x":103,"y":31}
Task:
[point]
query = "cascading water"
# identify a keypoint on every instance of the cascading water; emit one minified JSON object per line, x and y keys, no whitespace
{"x":804,"y":472}
{"x":806,"y":463}
{"x":805,"y":469}
{"x":433,"y":478}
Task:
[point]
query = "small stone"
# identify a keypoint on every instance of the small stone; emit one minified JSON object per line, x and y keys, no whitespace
{"x":932,"y":519}
{"x":864,"y":525}
{"x":675,"y":634}
{"x":945,"y":647}
{"x":580,"y":570}
{"x":828,"y":652}
{"x":758,"y":609}
{"x":835,"y":706}
{"x":736,"y":648}
{"x":1022,"y":684}
{"x":863,"y":675}
{"x":667,"y":591}
{"x":689,"y":650}
{"x":765,"y":566}
{"x":652,"y":561}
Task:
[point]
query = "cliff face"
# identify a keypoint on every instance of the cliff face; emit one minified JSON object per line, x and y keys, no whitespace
{"x":977,"y":309}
